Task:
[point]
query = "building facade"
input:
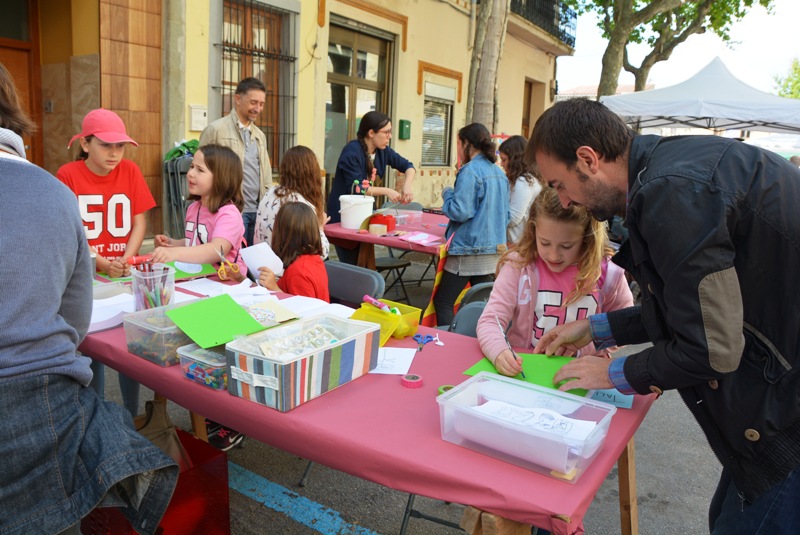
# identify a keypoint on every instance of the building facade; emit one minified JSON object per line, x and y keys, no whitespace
{"x":169,"y":67}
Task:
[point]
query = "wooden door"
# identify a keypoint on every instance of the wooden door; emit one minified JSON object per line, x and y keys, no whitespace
{"x":19,"y":53}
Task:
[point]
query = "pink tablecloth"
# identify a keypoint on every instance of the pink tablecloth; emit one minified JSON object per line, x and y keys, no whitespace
{"x":378,"y":430}
{"x":434,"y":224}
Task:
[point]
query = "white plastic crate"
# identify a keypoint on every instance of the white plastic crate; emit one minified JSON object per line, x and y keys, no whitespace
{"x":551,"y":432}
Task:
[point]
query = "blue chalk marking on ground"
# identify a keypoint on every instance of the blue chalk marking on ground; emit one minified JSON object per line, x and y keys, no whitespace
{"x":299,"y":508}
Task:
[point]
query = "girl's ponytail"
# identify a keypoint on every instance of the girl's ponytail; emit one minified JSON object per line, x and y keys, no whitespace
{"x":372,"y":120}
{"x":367,"y":156}
{"x":479,"y":137}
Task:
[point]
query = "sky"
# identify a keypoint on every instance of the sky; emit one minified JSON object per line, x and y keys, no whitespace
{"x":761,"y":47}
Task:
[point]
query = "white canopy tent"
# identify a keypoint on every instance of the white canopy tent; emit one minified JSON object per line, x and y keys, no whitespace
{"x":713,"y":98}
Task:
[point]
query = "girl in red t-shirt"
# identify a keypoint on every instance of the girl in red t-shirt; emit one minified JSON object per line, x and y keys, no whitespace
{"x":112,"y":193}
{"x":296,"y":241}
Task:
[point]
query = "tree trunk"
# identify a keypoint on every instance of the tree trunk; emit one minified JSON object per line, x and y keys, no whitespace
{"x":489,"y":40}
{"x":612,"y":64}
{"x":477,"y":54}
{"x":618,"y":25}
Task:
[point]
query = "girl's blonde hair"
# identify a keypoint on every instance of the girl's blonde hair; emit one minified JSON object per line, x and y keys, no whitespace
{"x":226,"y":167}
{"x":595,"y":245}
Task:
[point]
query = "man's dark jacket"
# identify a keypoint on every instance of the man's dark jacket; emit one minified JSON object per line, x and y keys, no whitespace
{"x":714,"y":243}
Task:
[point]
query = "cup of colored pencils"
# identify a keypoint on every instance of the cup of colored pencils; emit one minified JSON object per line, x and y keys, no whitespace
{"x":153,"y":285}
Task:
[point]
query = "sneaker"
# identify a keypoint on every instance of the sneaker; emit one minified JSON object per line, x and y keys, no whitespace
{"x":212,"y":427}
{"x":225,"y":438}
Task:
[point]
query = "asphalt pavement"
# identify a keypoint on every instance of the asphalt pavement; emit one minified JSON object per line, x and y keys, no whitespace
{"x":676,"y":474}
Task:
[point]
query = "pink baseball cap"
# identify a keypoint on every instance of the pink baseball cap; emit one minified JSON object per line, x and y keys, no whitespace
{"x":105,"y":125}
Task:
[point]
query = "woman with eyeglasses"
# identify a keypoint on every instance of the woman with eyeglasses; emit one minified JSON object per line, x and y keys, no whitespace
{"x":362,"y":163}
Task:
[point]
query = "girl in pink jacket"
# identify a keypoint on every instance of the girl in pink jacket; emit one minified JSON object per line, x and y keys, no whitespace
{"x":558,"y":273}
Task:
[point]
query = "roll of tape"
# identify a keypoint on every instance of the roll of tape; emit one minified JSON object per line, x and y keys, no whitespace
{"x":411,"y":381}
{"x":377,"y":230}
{"x":445,"y":388}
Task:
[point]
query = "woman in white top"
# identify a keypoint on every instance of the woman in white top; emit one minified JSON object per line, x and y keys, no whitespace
{"x":300,"y":182}
{"x":524,"y":185}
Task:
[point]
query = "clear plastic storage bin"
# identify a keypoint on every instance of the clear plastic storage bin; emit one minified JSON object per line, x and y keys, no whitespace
{"x":551,"y":432}
{"x":150,"y":334}
{"x":204,"y":366}
{"x":406,"y":217}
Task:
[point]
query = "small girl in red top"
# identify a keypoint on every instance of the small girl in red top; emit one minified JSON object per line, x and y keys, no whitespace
{"x":296,"y":241}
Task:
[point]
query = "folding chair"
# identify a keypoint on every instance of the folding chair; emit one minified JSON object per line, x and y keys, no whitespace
{"x":479,"y":292}
{"x":392,"y":264}
{"x":466,"y":320}
{"x":398,"y":264}
{"x":176,"y":193}
{"x":466,"y":323}
{"x":347,"y":284}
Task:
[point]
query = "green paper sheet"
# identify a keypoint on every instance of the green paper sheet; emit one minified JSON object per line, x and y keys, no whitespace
{"x":539,"y":370}
{"x":106,"y":278}
{"x":214,"y":321}
{"x":206,"y":270}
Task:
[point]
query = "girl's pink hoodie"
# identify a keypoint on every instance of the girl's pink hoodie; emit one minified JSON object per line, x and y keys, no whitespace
{"x":514,"y":296}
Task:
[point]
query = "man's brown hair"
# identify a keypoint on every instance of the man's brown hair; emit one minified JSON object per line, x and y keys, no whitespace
{"x":576,"y":122}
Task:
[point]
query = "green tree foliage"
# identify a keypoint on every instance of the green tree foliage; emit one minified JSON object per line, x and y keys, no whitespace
{"x":789,"y":85}
{"x":660,"y":24}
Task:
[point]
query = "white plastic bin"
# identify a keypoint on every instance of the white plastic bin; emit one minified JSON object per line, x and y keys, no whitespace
{"x":551,"y":432}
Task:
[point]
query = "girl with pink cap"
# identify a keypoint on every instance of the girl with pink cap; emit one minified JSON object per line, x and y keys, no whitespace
{"x":113,"y":198}
{"x":112,"y":194}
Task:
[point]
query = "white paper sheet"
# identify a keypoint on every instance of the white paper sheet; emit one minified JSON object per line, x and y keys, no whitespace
{"x":260,"y":255}
{"x":202,"y":286}
{"x":394,"y":360}
{"x":306,"y":307}
{"x":543,"y":420}
{"x":181,"y":297}
{"x":213,"y":288}
{"x":107,"y":313}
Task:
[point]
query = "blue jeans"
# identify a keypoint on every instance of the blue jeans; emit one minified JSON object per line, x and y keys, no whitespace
{"x":249,"y":220}
{"x":775,"y":512}
{"x":64,"y":451}
{"x":127,"y":386}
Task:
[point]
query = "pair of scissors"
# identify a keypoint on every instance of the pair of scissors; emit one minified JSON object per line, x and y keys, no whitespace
{"x":222,"y":262}
{"x":422,"y":340}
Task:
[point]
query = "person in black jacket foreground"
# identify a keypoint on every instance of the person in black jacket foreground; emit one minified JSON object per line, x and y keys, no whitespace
{"x":714,"y":242}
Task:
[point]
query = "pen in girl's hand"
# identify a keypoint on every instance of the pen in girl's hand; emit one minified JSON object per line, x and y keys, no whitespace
{"x":513,"y":353}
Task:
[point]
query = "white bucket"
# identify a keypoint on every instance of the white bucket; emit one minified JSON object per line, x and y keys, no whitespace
{"x":355,"y":209}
